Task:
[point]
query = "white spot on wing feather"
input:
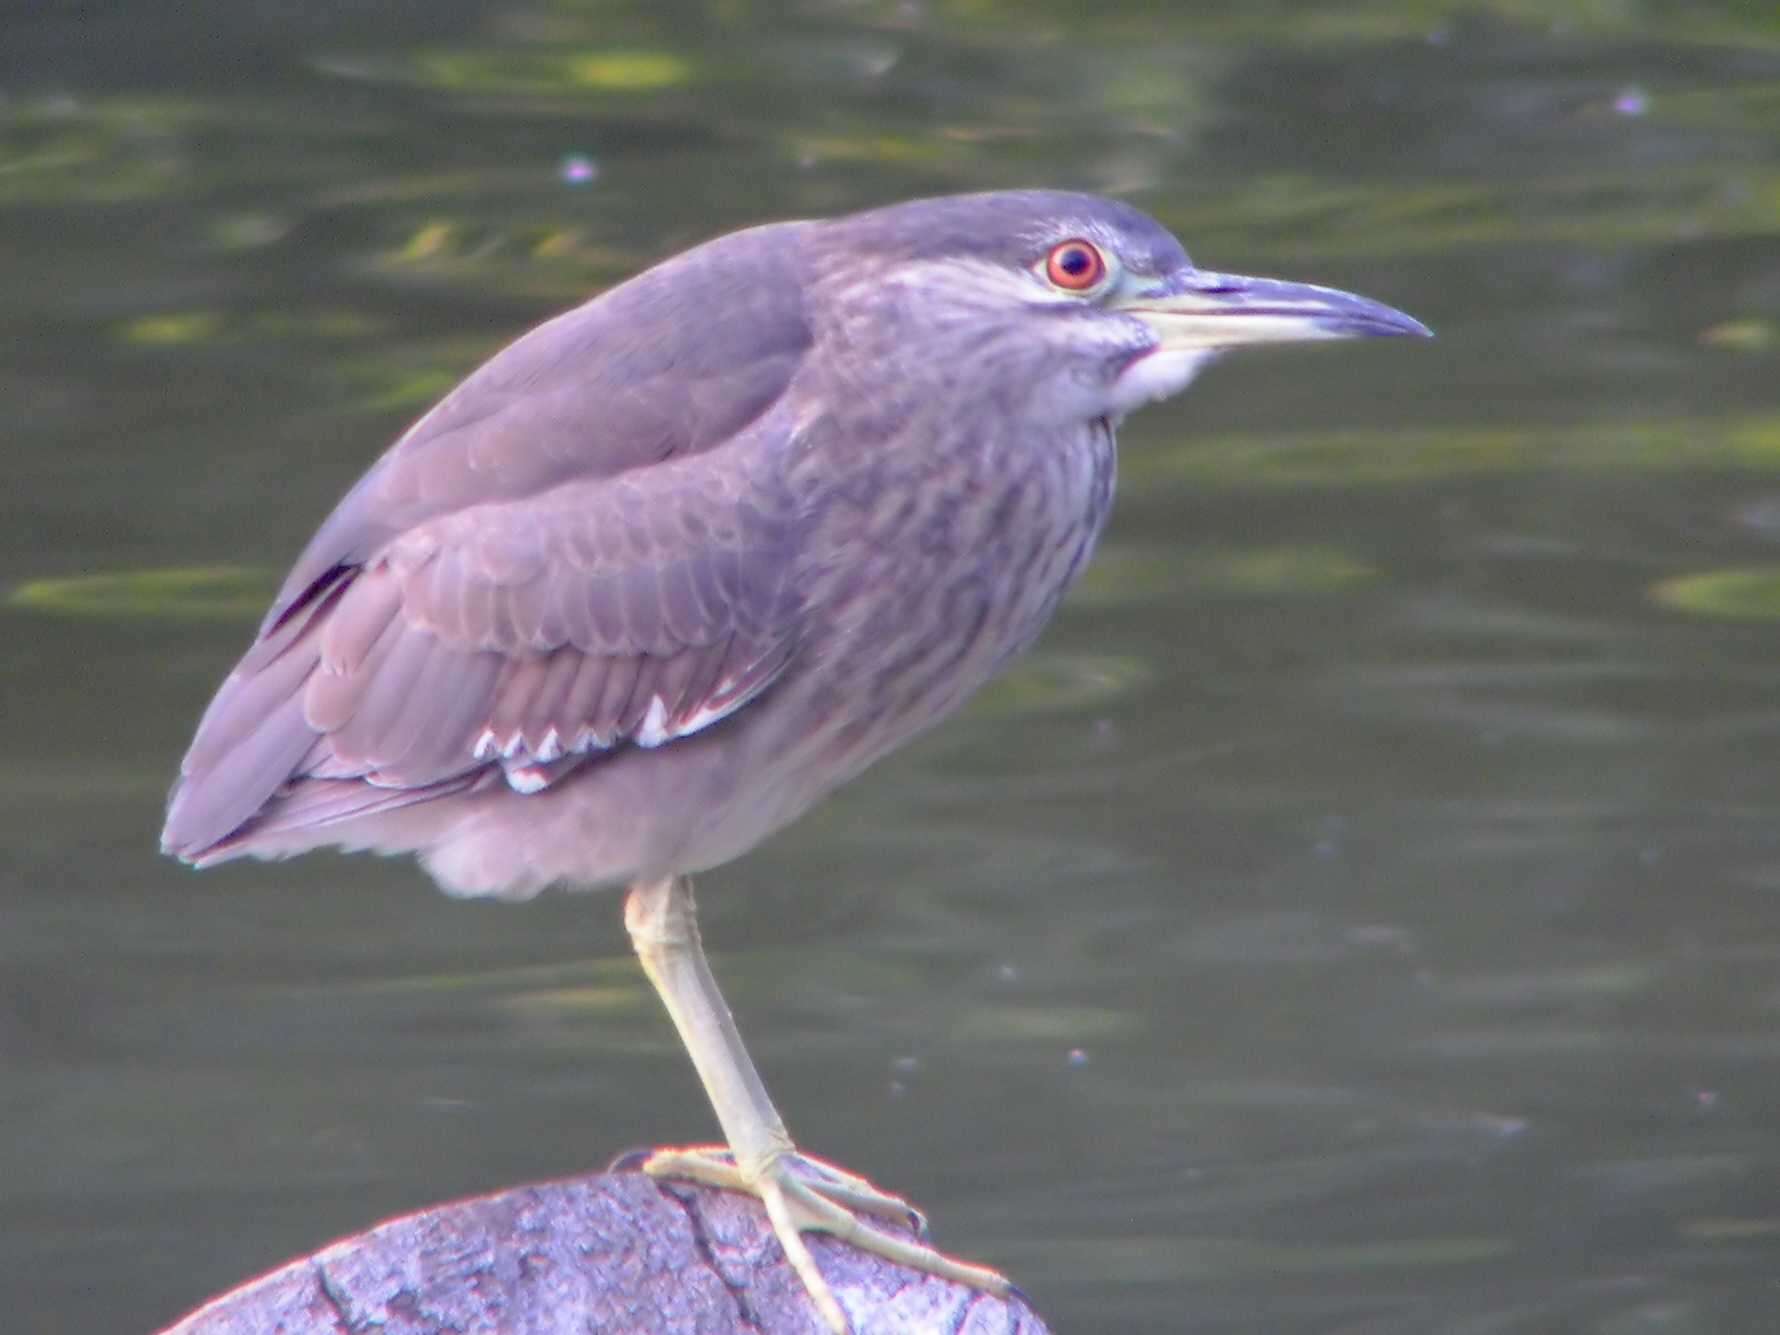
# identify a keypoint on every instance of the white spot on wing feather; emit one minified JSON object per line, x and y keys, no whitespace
{"x":656,"y":729}
{"x":653,"y":730}
{"x":527,"y":779}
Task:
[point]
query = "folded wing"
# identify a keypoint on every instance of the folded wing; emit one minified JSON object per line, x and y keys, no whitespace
{"x":511,"y":641}
{"x":568,"y":554}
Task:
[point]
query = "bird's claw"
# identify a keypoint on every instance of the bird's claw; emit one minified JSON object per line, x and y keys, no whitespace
{"x":802,"y":1194}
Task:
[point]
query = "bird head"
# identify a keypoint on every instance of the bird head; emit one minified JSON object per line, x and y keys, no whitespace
{"x":1069,"y":303}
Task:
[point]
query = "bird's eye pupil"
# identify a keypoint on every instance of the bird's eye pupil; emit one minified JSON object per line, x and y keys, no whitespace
{"x":1075,"y":261}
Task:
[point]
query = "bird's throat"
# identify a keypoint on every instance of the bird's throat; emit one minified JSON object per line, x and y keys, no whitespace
{"x":1155,"y":375}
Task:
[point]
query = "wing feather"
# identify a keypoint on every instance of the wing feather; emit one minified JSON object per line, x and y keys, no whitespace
{"x":509,"y":636}
{"x":589,"y":527}
{"x":582,"y":700}
{"x":675,"y":362}
{"x":608,"y":722}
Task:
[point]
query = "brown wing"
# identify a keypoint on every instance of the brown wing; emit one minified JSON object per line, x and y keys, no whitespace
{"x":515,"y":640}
{"x":677,"y":361}
{"x":538,"y":561}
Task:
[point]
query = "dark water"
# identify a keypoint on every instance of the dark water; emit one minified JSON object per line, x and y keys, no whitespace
{"x":1360,"y":916}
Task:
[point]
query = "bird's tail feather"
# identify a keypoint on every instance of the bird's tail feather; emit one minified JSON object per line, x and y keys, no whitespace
{"x":251,"y":739}
{"x":313,"y":812}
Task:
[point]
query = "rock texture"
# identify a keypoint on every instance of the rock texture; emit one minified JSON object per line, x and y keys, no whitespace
{"x":613,"y":1252}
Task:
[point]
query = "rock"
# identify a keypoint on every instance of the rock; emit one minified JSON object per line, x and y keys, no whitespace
{"x":611,"y":1252}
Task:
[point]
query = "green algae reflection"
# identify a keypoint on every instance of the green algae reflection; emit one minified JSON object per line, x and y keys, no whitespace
{"x":66,"y":150}
{"x":1126,"y":573}
{"x":547,"y":70}
{"x":184,"y":593}
{"x":1409,"y":455}
{"x":1318,"y":23}
{"x":1750,"y":593}
{"x":552,"y":260}
{"x":165,"y":329}
{"x":1295,"y":217}
{"x":1052,"y":681}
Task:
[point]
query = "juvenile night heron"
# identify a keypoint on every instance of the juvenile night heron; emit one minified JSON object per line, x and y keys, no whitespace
{"x":672,"y":566}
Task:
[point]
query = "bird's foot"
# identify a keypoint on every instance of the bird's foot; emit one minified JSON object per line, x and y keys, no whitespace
{"x":804,"y":1194}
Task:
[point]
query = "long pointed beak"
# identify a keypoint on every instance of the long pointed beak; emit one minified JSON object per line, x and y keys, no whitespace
{"x":1194,"y":311}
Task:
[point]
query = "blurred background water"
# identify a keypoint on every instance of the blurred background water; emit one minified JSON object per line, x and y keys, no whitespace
{"x":1358,"y":916}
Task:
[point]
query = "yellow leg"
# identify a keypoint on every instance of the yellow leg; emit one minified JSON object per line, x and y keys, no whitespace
{"x":799,"y":1193}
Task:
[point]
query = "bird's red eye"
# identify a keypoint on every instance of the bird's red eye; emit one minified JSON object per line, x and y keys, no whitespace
{"x":1075,"y":266}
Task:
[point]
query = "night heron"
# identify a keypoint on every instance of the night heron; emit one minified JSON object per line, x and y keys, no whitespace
{"x":672,"y":566}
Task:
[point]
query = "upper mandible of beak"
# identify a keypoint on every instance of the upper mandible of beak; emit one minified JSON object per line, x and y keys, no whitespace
{"x":1195,"y":311}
